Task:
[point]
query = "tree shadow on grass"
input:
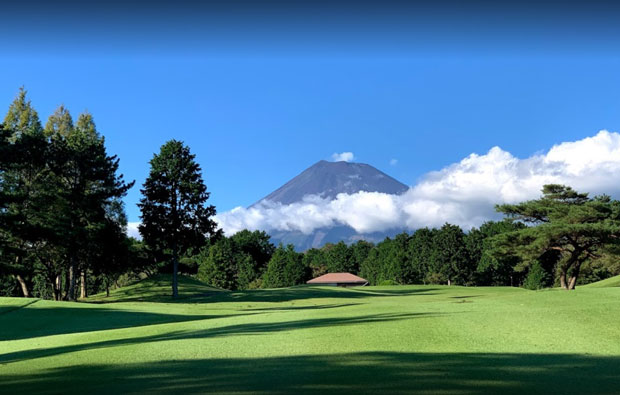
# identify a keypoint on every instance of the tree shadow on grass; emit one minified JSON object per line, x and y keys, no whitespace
{"x":230,"y":330}
{"x":157,"y":289}
{"x":355,"y":373}
{"x":309,"y":292}
{"x":24,"y":323}
{"x":297,"y":308}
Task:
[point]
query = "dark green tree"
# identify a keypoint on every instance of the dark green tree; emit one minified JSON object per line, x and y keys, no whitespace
{"x":285,"y":268}
{"x":359,"y":253}
{"x":175,"y":216}
{"x":255,"y":250}
{"x":218,"y":264}
{"x":88,"y":186}
{"x":492,"y":269}
{"x":449,"y":259}
{"x":421,"y":252}
{"x":26,"y":189}
{"x":578,"y":228}
{"x":376,"y":267}
{"x":400,"y":264}
{"x":314,"y":259}
{"x":339,"y":258}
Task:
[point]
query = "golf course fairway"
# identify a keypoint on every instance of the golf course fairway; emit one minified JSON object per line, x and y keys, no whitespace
{"x":396,"y":339}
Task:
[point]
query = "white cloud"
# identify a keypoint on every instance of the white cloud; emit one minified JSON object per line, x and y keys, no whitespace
{"x":393,"y":162}
{"x":132,"y":230}
{"x":343,"y":156}
{"x":463,"y":193}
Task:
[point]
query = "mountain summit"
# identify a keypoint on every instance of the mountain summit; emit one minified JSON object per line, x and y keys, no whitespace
{"x":328,"y":179}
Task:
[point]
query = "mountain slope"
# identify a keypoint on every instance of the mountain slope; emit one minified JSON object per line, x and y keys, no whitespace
{"x":328,"y":179}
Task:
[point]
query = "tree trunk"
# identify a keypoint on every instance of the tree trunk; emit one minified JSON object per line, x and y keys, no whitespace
{"x":71,"y":281}
{"x":563,"y":279}
{"x":23,"y":284}
{"x":449,"y":282}
{"x":175,"y":268}
{"x":57,"y":287}
{"x":82,"y":284}
{"x":573,"y":279}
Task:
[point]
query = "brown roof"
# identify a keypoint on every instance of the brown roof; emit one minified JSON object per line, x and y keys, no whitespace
{"x":331,"y":278}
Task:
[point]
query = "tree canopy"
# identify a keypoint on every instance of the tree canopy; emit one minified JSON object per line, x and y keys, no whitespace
{"x":563,"y":221}
{"x":175,"y":215}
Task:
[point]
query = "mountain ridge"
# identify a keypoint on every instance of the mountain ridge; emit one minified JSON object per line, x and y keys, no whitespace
{"x":328,"y":179}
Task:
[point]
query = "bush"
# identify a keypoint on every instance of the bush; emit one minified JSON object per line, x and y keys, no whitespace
{"x":388,"y":282}
{"x":537,"y":277}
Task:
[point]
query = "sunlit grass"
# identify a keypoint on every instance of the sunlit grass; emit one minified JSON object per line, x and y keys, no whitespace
{"x":307,"y":339}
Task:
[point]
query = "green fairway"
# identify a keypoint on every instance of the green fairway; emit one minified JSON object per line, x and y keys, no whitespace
{"x":402,"y":339}
{"x":608,"y":282}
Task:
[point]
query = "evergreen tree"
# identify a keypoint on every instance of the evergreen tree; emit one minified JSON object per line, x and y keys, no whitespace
{"x":576,"y":227}
{"x":359,"y":253}
{"x":449,"y":258}
{"x":285,"y":268}
{"x":218,"y":264}
{"x":175,"y":216}
{"x":89,"y":186}
{"x":22,"y":117}
{"x":60,"y":122}
{"x":421,"y":252}
{"x":314,"y":260}
{"x":26,"y":190}
{"x":339,"y":258}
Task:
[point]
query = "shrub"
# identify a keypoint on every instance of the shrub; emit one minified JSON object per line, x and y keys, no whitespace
{"x":537,"y":277}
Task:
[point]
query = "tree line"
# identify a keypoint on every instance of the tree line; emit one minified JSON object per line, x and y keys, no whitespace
{"x":63,"y":228}
{"x":62,"y":219}
{"x":557,"y":240}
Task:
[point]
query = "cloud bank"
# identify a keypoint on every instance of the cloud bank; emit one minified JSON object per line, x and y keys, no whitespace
{"x":343,"y":156}
{"x":463,"y":193}
{"x":132,"y":230}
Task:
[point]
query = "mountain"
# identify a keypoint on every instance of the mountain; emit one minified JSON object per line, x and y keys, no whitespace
{"x":328,"y":179}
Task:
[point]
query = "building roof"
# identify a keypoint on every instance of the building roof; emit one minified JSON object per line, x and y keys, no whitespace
{"x":341,"y":278}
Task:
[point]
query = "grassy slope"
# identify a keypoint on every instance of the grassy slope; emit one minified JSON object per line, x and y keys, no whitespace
{"x":397,"y":339}
{"x":156,"y":289}
{"x":608,"y":282}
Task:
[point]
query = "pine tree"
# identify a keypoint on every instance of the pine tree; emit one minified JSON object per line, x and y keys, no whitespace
{"x":175,"y":216}
{"x":22,"y":117}
{"x":566,"y":223}
{"x":60,"y":122}
{"x":89,"y":185}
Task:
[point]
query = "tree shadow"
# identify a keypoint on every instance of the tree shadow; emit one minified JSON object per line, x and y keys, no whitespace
{"x":16,"y":305}
{"x":35,"y":322}
{"x":296,"y":308}
{"x":307,"y":292}
{"x":465,"y":296}
{"x":367,"y":373}
{"x":230,"y":330}
{"x":157,"y":289}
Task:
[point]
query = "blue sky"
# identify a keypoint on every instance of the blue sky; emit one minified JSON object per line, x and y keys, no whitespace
{"x":260,"y":98}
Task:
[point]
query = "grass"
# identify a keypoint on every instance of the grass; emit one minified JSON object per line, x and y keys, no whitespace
{"x":407,"y":339}
{"x":608,"y":282}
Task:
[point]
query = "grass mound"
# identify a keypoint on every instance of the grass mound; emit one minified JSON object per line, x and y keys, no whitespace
{"x":608,"y":282}
{"x":156,"y":289}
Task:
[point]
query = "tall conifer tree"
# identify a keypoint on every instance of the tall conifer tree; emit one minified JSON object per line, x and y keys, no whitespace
{"x":175,"y":215}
